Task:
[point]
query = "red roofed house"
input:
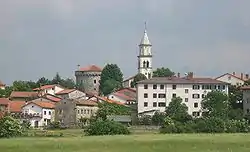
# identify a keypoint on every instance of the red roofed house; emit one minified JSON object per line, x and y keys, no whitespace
{"x":71,"y":94}
{"x":4,"y":103}
{"x":2,"y":86}
{"x":16,"y":106}
{"x":125,"y":95}
{"x":49,"y":89}
{"x":52,"y":98}
{"x":233,"y":78}
{"x":87,"y":78}
{"x":23,"y":96}
{"x":104,"y":99}
{"x":42,"y":112}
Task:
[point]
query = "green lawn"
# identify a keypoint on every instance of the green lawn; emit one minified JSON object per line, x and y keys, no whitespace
{"x":131,"y":143}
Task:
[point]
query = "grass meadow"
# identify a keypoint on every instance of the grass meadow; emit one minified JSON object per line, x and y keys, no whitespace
{"x":73,"y":141}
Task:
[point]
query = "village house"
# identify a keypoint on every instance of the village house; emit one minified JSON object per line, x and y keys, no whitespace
{"x":69,"y":112}
{"x":71,"y":94}
{"x":4,"y":104}
{"x":101,"y":99}
{"x":233,"y":79}
{"x":38,"y":113}
{"x":15,"y":107}
{"x":49,"y":89}
{"x":246,"y":99}
{"x":52,"y":98}
{"x":155,"y":94}
{"x":23,"y":96}
{"x":125,"y":95}
{"x":2,"y":85}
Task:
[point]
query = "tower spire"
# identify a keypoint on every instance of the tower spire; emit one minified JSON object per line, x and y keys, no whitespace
{"x":145,"y":27}
{"x":145,"y":40}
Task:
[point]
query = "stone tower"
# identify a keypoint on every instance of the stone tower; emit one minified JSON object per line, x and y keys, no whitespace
{"x":145,"y":56}
{"x":87,"y":79}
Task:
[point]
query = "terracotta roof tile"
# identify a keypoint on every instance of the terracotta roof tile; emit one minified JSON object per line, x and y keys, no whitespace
{"x":65,"y":91}
{"x":246,"y":87}
{"x":44,"y":104}
{"x":4,"y":101}
{"x":176,"y":80}
{"x":91,"y":68}
{"x":45,"y":87}
{"x":52,"y":98}
{"x":20,"y":94}
{"x":87,"y":103}
{"x":109,"y":100}
{"x":16,"y":106}
{"x":126,"y":93}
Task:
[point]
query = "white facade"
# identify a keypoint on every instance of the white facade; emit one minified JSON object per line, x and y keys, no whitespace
{"x":41,"y":116}
{"x":145,"y":57}
{"x":117,"y":98}
{"x":53,"y":90}
{"x":76,"y":94}
{"x":231,"y":79}
{"x":158,"y":96}
{"x":85,"y":111}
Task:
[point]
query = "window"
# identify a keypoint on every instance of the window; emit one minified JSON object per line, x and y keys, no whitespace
{"x":53,"y":88}
{"x":154,"y":86}
{"x":78,"y":111}
{"x":213,"y":87}
{"x":91,"y":111}
{"x":223,"y":87}
{"x":32,"y":106}
{"x":204,"y":87}
{"x":161,"y":95}
{"x":145,"y":95}
{"x":186,"y":99}
{"x":154,"y":95}
{"x":174,"y":86}
{"x":145,"y":104}
{"x":94,"y":81}
{"x":154,"y":104}
{"x":218,"y":87}
{"x":44,"y":120}
{"x":195,"y":114}
{"x":81,"y":111}
{"x":174,"y":95}
{"x":195,"y":104}
{"x":161,"y":104}
{"x":44,"y":112}
{"x":186,"y":90}
{"x":196,"y":96}
{"x":49,"y":112}
{"x":196,"y":87}
{"x":85,"y":111}
{"x":145,"y":86}
{"x":203,"y":95}
{"x":161,"y":86}
{"x":88,"y":111}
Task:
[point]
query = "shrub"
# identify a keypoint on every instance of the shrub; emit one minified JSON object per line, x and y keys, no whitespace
{"x":54,"y":125}
{"x":10,"y":127}
{"x":145,"y":120}
{"x":106,"y":127}
{"x":158,"y":118}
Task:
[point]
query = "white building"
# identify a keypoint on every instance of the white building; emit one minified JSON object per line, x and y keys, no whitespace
{"x":49,"y":89}
{"x":71,"y":94}
{"x":39,"y":113}
{"x":126,"y":96}
{"x":233,"y":78}
{"x":156,"y":93}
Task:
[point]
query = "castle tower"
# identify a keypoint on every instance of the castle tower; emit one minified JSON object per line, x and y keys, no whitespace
{"x":145,"y":56}
{"x":87,"y":79}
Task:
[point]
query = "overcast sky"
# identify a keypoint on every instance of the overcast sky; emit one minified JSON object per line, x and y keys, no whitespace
{"x":41,"y":37}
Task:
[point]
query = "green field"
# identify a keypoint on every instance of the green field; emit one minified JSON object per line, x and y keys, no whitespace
{"x":131,"y":143}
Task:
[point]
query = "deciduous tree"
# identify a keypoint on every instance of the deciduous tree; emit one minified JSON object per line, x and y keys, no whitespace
{"x":137,"y":78}
{"x":163,"y":72}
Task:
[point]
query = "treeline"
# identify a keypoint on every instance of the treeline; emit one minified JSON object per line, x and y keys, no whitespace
{"x":30,"y":85}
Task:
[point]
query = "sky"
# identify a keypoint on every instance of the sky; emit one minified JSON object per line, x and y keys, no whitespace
{"x":42,"y":37}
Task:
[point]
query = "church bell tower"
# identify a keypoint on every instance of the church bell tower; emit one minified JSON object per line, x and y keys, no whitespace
{"x":145,"y":56}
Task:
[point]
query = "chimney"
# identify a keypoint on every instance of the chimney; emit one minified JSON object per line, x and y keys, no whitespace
{"x":247,"y":76}
{"x":241,"y":75}
{"x":234,"y":73}
{"x":178,"y":75}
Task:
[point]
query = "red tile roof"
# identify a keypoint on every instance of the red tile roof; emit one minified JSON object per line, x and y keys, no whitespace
{"x":65,"y":91}
{"x":108,"y":100}
{"x":237,"y":77}
{"x":91,"y":68}
{"x":246,"y":87}
{"x":87,"y":103}
{"x":4,"y":101}
{"x":1,"y":83}
{"x":45,"y":87}
{"x":126,"y":93}
{"x":16,"y":106}
{"x":20,"y":94}
{"x":43,"y":104}
{"x":52,"y":98}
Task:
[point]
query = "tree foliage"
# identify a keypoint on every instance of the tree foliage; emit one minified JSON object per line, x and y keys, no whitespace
{"x":21,"y":86}
{"x":177,"y":110}
{"x":235,"y":95}
{"x":163,"y":72}
{"x":111,"y":79}
{"x":137,"y":78}
{"x":10,"y":127}
{"x":216,"y":104}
